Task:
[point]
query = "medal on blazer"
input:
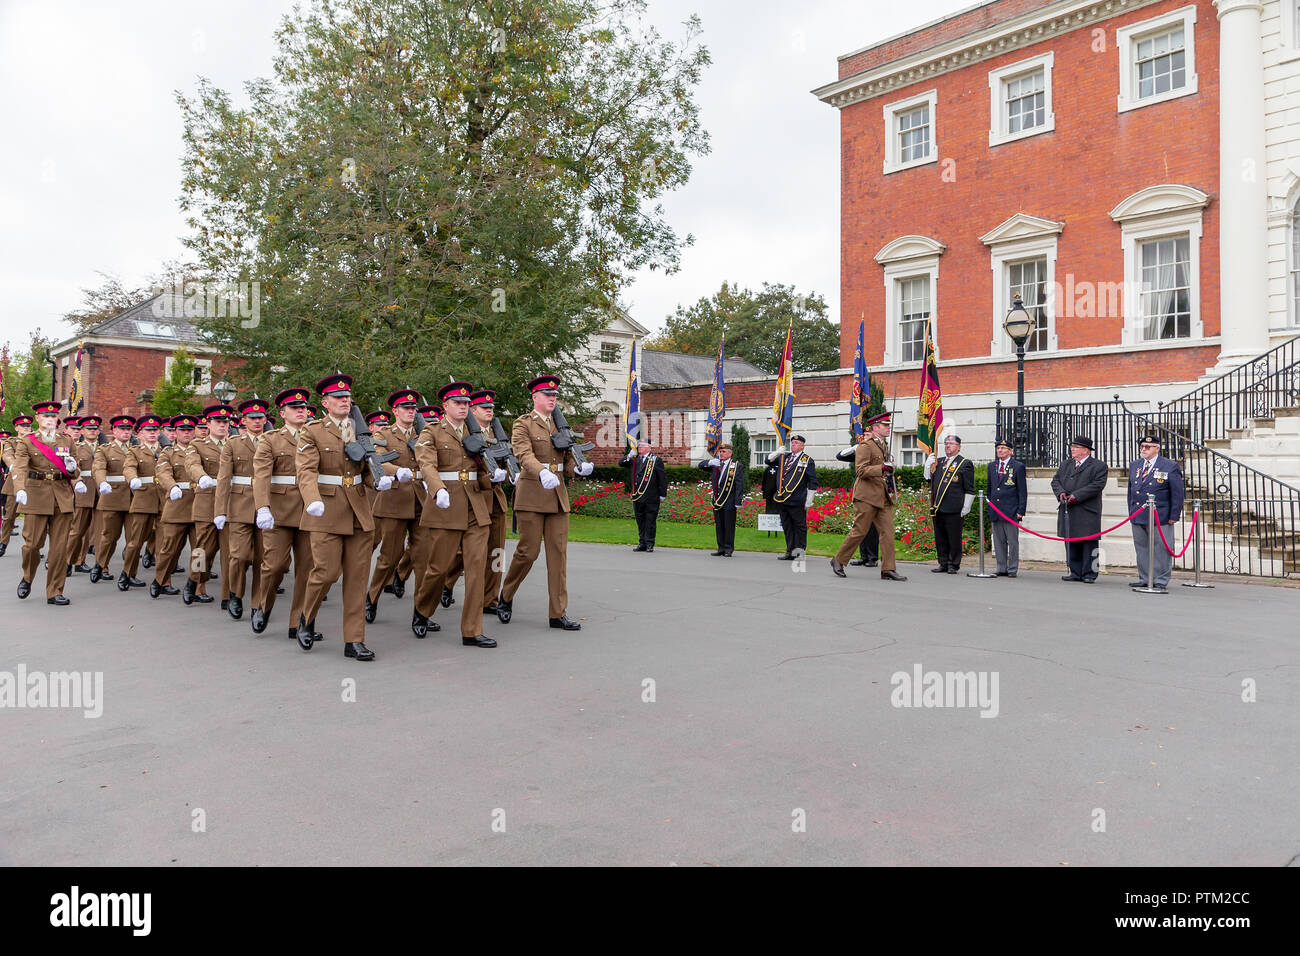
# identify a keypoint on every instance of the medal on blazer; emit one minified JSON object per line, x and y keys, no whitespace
{"x":948,"y":475}
{"x":790,"y":477}
{"x":724,"y":489}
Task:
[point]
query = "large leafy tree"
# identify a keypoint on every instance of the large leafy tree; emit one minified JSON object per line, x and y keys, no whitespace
{"x":26,"y":377}
{"x":755,"y":326}
{"x":112,"y":295}
{"x":430,"y":189}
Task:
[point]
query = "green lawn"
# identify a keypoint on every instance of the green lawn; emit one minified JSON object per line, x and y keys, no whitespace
{"x":675,"y":534}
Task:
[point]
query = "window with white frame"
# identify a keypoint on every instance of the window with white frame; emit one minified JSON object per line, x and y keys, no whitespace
{"x":609,"y":352}
{"x":201,"y":378}
{"x":913,"y":314}
{"x":1028,"y":279}
{"x":1166,"y":288}
{"x":762,"y":448}
{"x":1290,"y":29}
{"x":1295,"y":264}
{"x":911,"y":453}
{"x":1021,"y":100}
{"x":1022,"y":253}
{"x":1157,"y":59}
{"x":911,"y":275}
{"x":910,"y":132}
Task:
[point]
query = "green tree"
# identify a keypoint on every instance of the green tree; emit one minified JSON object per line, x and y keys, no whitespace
{"x":755,"y":327}
{"x":431,"y":189}
{"x":740,"y":444}
{"x":26,"y":378}
{"x":111,"y":296}
{"x":174,"y":393}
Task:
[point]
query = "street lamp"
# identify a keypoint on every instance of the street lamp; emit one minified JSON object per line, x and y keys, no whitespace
{"x":224,"y":392}
{"x":1018,"y":324}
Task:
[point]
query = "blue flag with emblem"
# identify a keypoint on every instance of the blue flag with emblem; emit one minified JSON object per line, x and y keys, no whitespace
{"x":717,"y":405}
{"x":860,"y":400}
{"x":633,"y":418}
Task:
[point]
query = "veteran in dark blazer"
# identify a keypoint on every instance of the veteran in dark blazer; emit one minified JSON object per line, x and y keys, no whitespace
{"x":1161,"y":477}
{"x":1008,"y":489}
{"x":728,"y":487}
{"x":647,"y":482}
{"x":1078,"y":486}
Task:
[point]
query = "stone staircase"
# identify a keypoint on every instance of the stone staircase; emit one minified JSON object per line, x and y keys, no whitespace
{"x":1270,"y":445}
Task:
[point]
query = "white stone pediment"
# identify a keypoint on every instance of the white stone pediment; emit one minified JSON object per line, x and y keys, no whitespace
{"x":1022,"y":226}
{"x":1163,"y":200}
{"x":910,"y":247}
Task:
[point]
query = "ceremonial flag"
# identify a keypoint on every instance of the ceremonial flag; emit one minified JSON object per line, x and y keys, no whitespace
{"x":860,"y":400}
{"x":929,"y":415}
{"x":783,"y":404}
{"x":717,"y":405}
{"x":76,"y":395}
{"x":633,"y":417}
{"x":4,"y":364}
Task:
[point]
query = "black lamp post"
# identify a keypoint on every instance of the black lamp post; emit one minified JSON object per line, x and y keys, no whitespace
{"x":1018,"y":324}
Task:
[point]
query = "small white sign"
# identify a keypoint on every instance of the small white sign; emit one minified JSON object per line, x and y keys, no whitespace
{"x":768,"y":522}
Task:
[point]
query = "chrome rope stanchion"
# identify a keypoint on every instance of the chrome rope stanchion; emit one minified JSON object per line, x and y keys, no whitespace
{"x":1152,"y":518}
{"x":982,"y":573}
{"x":1196,"y":550}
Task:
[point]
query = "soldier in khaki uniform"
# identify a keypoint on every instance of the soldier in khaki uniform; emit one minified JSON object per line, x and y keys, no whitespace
{"x":279,"y":512}
{"x":43,"y":468}
{"x":83,"y":516}
{"x":204,"y":462}
{"x":114,"y":495}
{"x":541,"y":503}
{"x":337,"y":513}
{"x":234,"y":503}
{"x":873,"y":499}
{"x":141,"y":477}
{"x":22,"y":428}
{"x":395,"y":510}
{"x":5,"y":485}
{"x":172,"y":476}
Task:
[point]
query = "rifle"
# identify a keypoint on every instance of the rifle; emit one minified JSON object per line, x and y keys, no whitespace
{"x":362,"y":449}
{"x":891,"y":483}
{"x":421,"y":423}
{"x":563,"y":438}
{"x":501,"y":448}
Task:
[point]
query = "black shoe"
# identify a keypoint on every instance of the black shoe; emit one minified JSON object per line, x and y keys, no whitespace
{"x":134,"y":583}
{"x":187,"y":595}
{"x":639,"y":547}
{"x":156,"y":589}
{"x":82,"y":568}
{"x":399,"y":587}
{"x":359,"y":651}
{"x":389,"y":589}
{"x":258,"y":620}
{"x":4,"y":546}
{"x":279,"y":590}
{"x":871,"y":564}
{"x":305,"y":633}
{"x":649,"y":547}
{"x":856,"y":563}
{"x":479,"y":641}
{"x":941,"y":569}
{"x":564,"y":623}
{"x":1001,"y":574}
{"x":178,"y":570}
{"x":953,"y":568}
{"x":24,"y":589}
{"x":727,"y":554}
{"x":785,"y":557}
{"x":421,"y":625}
{"x":95,"y":574}
{"x":58,"y":600}
{"x":1071,"y":577}
{"x":212,"y":576}
{"x":1090,"y":579}
{"x":68,"y":573}
{"x":717,"y":554}
{"x":204,"y":598}
{"x":147,"y":560}
{"x":447,"y":599}
{"x":504,"y":610}
{"x":236,"y":607}
{"x":123,"y":582}
{"x":225,"y":603}
{"x":370,"y":611}
{"x":838,"y":569}
{"x":1137,"y":584}
{"x":891,"y":576}
{"x":1011,"y":574}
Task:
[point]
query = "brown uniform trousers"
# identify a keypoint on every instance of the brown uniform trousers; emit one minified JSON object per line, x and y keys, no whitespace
{"x":142,"y":520}
{"x":176,"y":520}
{"x":496,"y":551}
{"x":79,"y":539}
{"x":395,"y":512}
{"x":48,"y":511}
{"x":112,"y":508}
{"x":342,"y":538}
{"x":234,"y":499}
{"x":871,"y":504}
{"x":275,"y":487}
{"x":461,"y":528}
{"x":542,"y":514}
{"x":7,"y":448}
{"x":209,"y":543}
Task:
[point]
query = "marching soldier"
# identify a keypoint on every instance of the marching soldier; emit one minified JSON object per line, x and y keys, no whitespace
{"x":869,"y":549}
{"x":541,"y":503}
{"x":84,"y":504}
{"x":796,"y":480}
{"x":873,"y":499}
{"x":395,"y":510}
{"x":482,"y":405}
{"x":114,"y":495}
{"x":172,"y":477}
{"x":458,"y":517}
{"x":141,"y":477}
{"x":337,"y":513}
{"x":22,"y":428}
{"x":43,"y":468}
{"x":279,"y":512}
{"x":648,"y":484}
{"x":204,"y":463}
{"x":5,"y":490}
{"x":91,"y":434}
{"x":234,"y":504}
{"x":952,"y":492}
{"x":728,"y":488}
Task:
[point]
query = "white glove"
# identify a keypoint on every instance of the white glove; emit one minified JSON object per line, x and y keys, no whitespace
{"x":205,"y":483}
{"x":404,"y":475}
{"x":79,"y":487}
{"x":70,"y":462}
{"x":175,"y":494}
{"x":514,"y":479}
{"x":105,"y":488}
{"x":135,"y":484}
{"x":585,"y":469}
{"x":965,"y":505}
{"x":384,"y":483}
{"x":663,"y":498}
{"x":316,"y":509}
{"x":549,"y":479}
{"x":498,"y":476}
{"x":714,"y":463}
{"x":21,"y":497}
{"x":771,"y":459}
{"x":264,"y":519}
{"x":929,"y":466}
{"x":219,"y":521}
{"x":442,"y":499}
{"x":851,"y":451}
{"x":808,"y":501}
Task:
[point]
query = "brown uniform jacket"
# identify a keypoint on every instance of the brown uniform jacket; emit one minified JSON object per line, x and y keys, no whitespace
{"x":45,"y":496}
{"x":320,"y":452}
{"x":84,"y":452}
{"x":143,"y":464}
{"x":7,"y":455}
{"x":173,"y":469}
{"x":530,"y":439}
{"x":277,"y":455}
{"x":440,"y":450}
{"x":869,"y":487}
{"x":235,"y":498}
{"x":110,"y":461}
{"x":204,"y":459}
{"x":399,"y":500}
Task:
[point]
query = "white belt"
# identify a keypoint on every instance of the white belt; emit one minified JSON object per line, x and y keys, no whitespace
{"x":418,"y":476}
{"x":84,"y":474}
{"x":183,"y":485}
{"x":115,"y":479}
{"x":284,"y":480}
{"x":240,"y":480}
{"x":347,"y":481}
{"x":458,"y":475}
{"x":146,"y":481}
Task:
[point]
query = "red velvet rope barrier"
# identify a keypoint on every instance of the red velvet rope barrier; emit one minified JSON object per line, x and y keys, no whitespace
{"x":1188,"y":544}
{"x":1052,"y":537}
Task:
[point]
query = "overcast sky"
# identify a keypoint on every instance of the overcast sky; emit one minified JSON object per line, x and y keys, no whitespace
{"x":90,"y":166}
